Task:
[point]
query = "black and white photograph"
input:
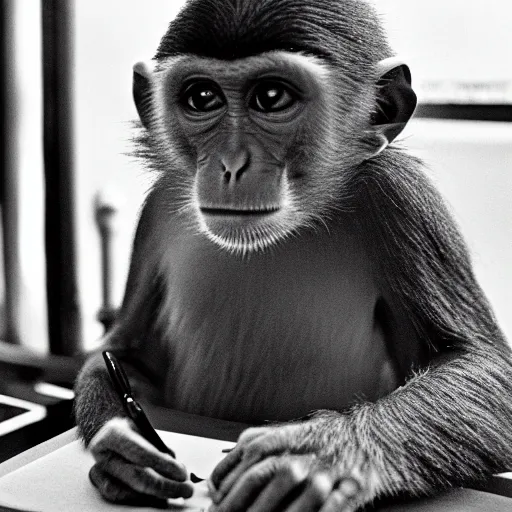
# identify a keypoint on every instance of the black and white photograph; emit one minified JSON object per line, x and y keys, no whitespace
{"x":255,"y":255}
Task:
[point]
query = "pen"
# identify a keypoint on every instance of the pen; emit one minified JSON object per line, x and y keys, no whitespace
{"x":133,"y":409}
{"x":131,"y":406}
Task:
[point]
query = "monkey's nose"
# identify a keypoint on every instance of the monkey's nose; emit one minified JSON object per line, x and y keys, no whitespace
{"x":234,"y":165}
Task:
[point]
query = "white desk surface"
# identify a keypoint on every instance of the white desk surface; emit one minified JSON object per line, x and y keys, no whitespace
{"x":64,"y":463}
{"x":54,"y":476}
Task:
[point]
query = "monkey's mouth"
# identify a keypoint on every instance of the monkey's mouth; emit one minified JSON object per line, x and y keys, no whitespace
{"x":242,"y":230}
{"x":240,"y":212}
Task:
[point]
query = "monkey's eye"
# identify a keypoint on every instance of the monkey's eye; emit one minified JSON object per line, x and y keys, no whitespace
{"x":272,"y":96}
{"x":202,"y":96}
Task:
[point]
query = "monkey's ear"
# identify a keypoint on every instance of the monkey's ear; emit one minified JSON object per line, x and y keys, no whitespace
{"x":395,"y":101}
{"x":142,"y":75}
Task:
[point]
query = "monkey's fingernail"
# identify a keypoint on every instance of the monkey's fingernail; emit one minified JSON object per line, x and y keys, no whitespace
{"x":349,"y":487}
{"x":217,"y":497}
{"x":195,"y":479}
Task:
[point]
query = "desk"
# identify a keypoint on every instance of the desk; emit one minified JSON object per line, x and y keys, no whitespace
{"x":457,"y":500}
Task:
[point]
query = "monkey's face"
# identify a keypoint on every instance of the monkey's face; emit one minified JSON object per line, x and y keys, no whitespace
{"x":259,"y":144}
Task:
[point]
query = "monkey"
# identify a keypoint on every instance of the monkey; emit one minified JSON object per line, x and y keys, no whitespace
{"x":294,"y":268}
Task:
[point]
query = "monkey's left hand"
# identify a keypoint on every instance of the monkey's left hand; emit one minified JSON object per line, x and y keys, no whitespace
{"x":294,"y":467}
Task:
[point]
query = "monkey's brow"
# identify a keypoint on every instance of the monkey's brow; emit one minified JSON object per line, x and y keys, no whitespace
{"x":296,"y":62}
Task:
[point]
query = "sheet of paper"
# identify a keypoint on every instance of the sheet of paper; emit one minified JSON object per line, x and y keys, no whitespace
{"x":59,"y":481}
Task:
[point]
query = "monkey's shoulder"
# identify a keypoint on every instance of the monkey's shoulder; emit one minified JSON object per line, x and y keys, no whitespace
{"x":398,"y":183}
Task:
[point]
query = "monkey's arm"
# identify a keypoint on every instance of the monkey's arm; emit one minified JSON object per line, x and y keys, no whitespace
{"x":452,"y":421}
{"x":450,"y":424}
{"x":130,"y":339}
{"x":128,"y":468}
{"x":96,"y":400}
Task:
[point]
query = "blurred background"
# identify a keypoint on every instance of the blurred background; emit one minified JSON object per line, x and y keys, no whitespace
{"x":70,"y":192}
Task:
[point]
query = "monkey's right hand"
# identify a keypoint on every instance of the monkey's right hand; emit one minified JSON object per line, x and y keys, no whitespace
{"x":130,"y":470}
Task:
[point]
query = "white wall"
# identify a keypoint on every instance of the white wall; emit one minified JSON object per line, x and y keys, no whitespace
{"x":471,"y":162}
{"x":458,"y":49}
{"x":110,"y":37}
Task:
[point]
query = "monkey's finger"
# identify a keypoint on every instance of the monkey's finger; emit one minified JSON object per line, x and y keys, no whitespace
{"x":245,"y":490}
{"x":287,"y":485}
{"x":235,"y":455}
{"x":229,"y":480}
{"x":314,"y":494}
{"x":259,"y":444}
{"x":344,"y":497}
{"x":118,"y":436}
{"x":144,"y":480}
{"x":264,"y":486}
{"x":252,"y":433}
{"x":273,"y":442}
{"x":338,"y":502}
{"x":115,"y":491}
{"x":226,"y":466}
